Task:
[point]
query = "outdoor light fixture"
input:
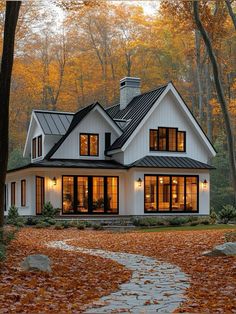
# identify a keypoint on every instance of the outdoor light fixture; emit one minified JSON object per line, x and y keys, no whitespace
{"x":204,"y":184}
{"x":139,"y":182}
{"x":54,"y":181}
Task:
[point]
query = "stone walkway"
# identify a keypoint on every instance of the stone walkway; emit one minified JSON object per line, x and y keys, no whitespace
{"x":155,"y":287}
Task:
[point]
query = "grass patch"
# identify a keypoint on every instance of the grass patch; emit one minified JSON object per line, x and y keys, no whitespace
{"x":189,"y":228}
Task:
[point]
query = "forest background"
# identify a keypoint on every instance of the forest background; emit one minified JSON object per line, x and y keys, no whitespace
{"x":69,"y":55}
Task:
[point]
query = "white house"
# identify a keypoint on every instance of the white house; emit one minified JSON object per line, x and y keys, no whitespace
{"x":146,"y":155}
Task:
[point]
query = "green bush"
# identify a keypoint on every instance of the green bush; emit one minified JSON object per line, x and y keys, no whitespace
{"x":65,"y":224}
{"x":49,"y":210}
{"x":227,"y":213}
{"x":87,"y":224}
{"x":42,"y":224}
{"x":205,"y":221}
{"x":213,"y":216}
{"x":148,"y":222}
{"x":12,"y":214}
{"x":48,"y":220}
{"x":194,"y":223}
{"x":177,"y":221}
{"x":2,"y":252}
{"x":58,"y":226}
{"x":31,"y":221}
{"x":80,"y":226}
{"x":98,"y":227}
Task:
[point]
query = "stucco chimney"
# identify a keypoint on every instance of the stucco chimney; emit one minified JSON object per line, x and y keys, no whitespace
{"x":129,"y":88}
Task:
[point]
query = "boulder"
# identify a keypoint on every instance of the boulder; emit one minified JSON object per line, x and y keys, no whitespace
{"x":37,"y":262}
{"x":226,"y":249}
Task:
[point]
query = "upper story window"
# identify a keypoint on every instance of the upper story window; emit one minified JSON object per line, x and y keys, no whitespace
{"x":89,"y":144}
{"x":37,"y":147}
{"x":167,"y":139}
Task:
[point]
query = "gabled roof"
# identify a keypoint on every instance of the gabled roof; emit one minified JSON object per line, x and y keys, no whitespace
{"x":78,"y":117}
{"x":169,"y":162}
{"x":135,"y":111}
{"x":53,"y":122}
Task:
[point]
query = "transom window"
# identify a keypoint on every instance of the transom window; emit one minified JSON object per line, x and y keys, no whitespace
{"x":89,"y":144}
{"x":167,"y":139}
{"x":163,"y":193}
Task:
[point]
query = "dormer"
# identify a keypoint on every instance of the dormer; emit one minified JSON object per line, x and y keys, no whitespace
{"x":45,"y":130}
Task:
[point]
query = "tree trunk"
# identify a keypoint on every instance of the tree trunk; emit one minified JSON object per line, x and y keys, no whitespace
{"x":231,"y":13}
{"x":11,"y":17}
{"x":208,"y":96}
{"x":198,"y":70}
{"x":220,"y":94}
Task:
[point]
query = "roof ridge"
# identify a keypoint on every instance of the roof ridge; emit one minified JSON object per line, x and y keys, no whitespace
{"x":52,"y":111}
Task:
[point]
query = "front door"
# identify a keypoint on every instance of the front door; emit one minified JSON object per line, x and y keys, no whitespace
{"x":40,"y":195}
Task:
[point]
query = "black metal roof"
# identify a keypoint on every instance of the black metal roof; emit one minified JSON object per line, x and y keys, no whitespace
{"x":78,"y":117}
{"x":135,"y":112}
{"x":72,"y":163}
{"x":169,"y":162}
{"x":54,"y":123}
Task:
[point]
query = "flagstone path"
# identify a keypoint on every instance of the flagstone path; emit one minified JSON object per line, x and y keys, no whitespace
{"x":155,"y":286}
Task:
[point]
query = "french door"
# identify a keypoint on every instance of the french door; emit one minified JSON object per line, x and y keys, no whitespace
{"x":40,"y":195}
{"x":90,"y":194}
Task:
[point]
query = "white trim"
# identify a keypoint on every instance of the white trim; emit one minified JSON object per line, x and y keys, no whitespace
{"x":171,"y":88}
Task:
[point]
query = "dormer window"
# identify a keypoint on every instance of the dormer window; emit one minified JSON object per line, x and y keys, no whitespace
{"x":89,"y":144}
{"x":37,"y":147}
{"x":167,"y":139}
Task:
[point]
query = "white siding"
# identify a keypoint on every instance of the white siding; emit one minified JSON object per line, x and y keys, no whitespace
{"x":167,"y":114}
{"x":92,"y":123}
{"x":35,"y":132}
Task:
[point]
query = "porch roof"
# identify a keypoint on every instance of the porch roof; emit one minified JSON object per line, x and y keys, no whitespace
{"x":170,"y":162}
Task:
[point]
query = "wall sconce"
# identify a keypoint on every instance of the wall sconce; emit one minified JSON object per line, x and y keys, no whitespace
{"x":139,"y":182}
{"x":204,"y":184}
{"x":54,"y":181}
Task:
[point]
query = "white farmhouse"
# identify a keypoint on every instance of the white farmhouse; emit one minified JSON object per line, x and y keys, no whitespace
{"x":146,"y":155}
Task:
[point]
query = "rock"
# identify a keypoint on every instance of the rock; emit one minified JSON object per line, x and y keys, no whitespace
{"x":37,"y":262}
{"x":226,"y":249}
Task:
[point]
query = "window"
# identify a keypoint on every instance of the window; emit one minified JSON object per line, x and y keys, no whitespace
{"x":5,"y":197}
{"x":167,"y":139}
{"x":107,"y":140}
{"x":34,"y":150}
{"x":164,"y":193}
{"x":90,"y":195}
{"x":40,"y":146}
{"x":23,"y":193}
{"x":89,"y":145}
{"x":39,"y":195}
{"x":13,"y":193}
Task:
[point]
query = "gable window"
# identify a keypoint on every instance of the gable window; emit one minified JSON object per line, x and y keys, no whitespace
{"x":167,"y":139}
{"x":89,"y":144}
{"x":23,"y":193}
{"x":13,"y":193}
{"x":40,"y":146}
{"x":34,"y":150}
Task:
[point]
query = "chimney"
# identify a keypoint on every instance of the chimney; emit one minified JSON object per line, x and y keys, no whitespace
{"x":129,"y":88}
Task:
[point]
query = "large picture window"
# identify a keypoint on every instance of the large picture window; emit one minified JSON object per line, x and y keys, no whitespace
{"x":167,"y":139}
{"x":89,"y":145}
{"x":90,"y":195}
{"x":164,"y":193}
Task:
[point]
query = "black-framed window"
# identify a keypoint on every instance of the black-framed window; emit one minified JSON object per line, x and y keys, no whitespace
{"x":40,"y":146}
{"x":90,"y":195}
{"x":167,"y":139}
{"x":34,"y":148}
{"x":23,"y":193}
{"x":171,"y":193}
{"x":13,"y":193}
{"x":40,"y":194}
{"x":89,"y":144}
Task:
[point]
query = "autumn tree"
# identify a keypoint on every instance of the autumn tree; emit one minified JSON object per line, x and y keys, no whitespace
{"x":11,"y":17}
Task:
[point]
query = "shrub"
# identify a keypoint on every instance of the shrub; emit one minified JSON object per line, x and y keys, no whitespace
{"x":148,"y":222}
{"x":31,"y":221}
{"x":177,"y":221}
{"x":227,"y":213}
{"x":49,"y":210}
{"x":194,"y":223}
{"x":80,"y":226}
{"x":42,"y":224}
{"x":205,"y":221}
{"x":58,"y":226}
{"x":65,"y":224}
{"x":213,"y":216}
{"x":87,"y":224}
{"x":48,"y":220}
{"x":98,"y":227}
{"x":12,"y":214}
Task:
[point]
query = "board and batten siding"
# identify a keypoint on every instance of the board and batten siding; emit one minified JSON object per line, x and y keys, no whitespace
{"x":92,"y":123}
{"x":167,"y":114}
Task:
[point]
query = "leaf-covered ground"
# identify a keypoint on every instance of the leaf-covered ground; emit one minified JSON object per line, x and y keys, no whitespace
{"x":78,"y":279}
